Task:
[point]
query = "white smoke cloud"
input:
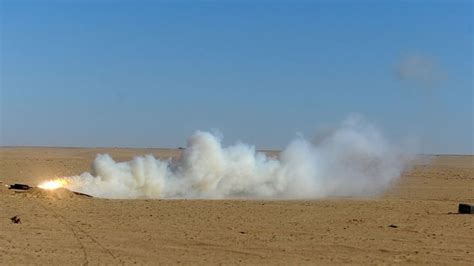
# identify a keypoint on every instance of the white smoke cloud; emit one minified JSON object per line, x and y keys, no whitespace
{"x":354,"y":160}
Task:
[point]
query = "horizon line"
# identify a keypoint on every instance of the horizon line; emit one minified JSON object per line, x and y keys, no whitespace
{"x":182,"y":148}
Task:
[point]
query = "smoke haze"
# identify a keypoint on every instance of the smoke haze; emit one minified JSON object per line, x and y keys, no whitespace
{"x":353,"y":160}
{"x":420,"y":70}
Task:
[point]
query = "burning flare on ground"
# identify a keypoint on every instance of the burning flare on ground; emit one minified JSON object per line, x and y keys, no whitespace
{"x":53,"y":184}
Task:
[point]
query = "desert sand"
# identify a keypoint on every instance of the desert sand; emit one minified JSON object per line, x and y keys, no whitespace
{"x":414,"y":222}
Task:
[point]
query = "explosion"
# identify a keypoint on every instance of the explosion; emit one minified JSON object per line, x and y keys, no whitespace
{"x":53,"y":184}
{"x":353,"y":160}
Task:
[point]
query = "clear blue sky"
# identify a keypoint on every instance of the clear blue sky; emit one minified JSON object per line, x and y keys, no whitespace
{"x":148,"y":74}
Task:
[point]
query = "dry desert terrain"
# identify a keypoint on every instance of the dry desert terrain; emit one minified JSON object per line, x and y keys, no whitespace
{"x":414,"y":222}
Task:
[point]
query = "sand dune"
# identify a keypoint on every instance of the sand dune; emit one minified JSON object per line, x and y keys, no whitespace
{"x":414,"y":222}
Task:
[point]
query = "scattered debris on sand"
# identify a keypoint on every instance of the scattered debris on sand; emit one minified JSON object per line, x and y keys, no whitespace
{"x":16,"y":219}
{"x":19,"y":186}
{"x":465,"y":208}
{"x":60,"y":193}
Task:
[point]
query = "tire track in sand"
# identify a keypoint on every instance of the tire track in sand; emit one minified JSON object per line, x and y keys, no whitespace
{"x":75,"y":231}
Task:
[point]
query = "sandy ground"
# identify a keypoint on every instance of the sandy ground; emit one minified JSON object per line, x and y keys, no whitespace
{"x":64,"y":228}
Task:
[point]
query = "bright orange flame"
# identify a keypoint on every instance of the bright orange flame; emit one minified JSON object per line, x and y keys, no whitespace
{"x":53,"y":184}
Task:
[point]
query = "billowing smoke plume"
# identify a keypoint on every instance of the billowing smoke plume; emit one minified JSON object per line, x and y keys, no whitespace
{"x":354,"y":160}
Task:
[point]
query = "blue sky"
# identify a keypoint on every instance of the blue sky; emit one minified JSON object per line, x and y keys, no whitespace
{"x":148,"y":74}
